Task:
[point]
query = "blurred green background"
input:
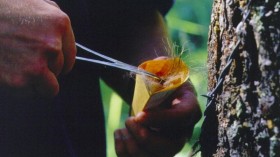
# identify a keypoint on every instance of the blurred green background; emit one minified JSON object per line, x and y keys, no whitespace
{"x":187,"y":22}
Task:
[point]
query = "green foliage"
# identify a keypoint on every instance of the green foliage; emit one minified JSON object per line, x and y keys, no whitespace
{"x":188,"y":22}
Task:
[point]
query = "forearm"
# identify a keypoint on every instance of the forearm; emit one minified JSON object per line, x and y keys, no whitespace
{"x":141,"y":37}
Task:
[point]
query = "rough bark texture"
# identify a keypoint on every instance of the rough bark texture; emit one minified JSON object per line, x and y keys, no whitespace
{"x":243,"y":111}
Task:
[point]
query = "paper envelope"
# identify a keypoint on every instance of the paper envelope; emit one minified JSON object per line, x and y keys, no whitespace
{"x":149,"y":93}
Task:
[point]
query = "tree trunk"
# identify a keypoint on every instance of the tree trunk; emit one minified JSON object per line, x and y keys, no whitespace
{"x":242,"y":117}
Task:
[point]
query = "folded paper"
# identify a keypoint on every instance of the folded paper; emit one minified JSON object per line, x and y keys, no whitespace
{"x":149,"y":93}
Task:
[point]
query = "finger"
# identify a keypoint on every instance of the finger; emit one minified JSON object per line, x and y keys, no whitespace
{"x":55,"y":60}
{"x":132,"y":147}
{"x":138,"y":131}
{"x":151,"y":142}
{"x":120,"y":146}
{"x":46,"y":84}
{"x":68,"y":47}
{"x":183,"y":105}
{"x":184,"y":111}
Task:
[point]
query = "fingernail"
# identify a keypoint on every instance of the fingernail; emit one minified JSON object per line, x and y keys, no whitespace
{"x":176,"y":101}
{"x":139,"y":116}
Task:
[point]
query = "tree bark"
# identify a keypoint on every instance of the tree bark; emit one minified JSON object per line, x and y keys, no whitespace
{"x":242,"y":117}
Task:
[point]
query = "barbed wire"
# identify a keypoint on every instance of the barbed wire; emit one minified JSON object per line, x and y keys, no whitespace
{"x":212,"y":95}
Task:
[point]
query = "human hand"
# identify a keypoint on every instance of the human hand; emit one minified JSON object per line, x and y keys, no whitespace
{"x":36,"y":45}
{"x":163,"y":132}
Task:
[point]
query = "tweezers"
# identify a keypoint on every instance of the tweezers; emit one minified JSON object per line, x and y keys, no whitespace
{"x":114,"y":63}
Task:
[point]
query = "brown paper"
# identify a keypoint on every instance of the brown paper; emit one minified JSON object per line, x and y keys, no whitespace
{"x":149,"y":93}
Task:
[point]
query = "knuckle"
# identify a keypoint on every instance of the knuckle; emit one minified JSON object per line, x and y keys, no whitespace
{"x":52,"y":45}
{"x":57,"y":19}
{"x":47,"y":47}
{"x":62,"y":21}
{"x":54,"y":57}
